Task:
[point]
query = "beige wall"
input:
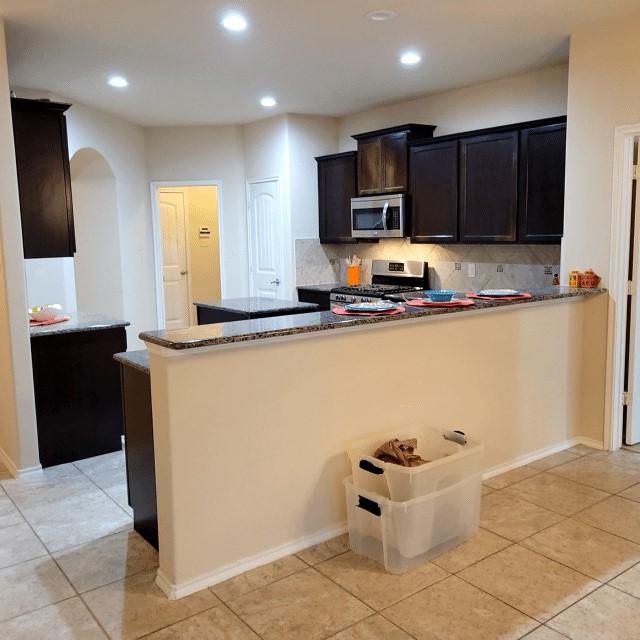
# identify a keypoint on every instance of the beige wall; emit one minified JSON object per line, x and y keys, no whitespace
{"x":264,"y":426}
{"x":604,"y":92}
{"x":538,"y":94}
{"x":209,"y":153}
{"x":18,"y":435}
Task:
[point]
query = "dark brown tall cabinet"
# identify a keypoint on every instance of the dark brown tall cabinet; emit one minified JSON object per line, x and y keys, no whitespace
{"x":383,"y":158}
{"x":336,"y":187}
{"x":541,"y":195}
{"x":44,"y":179}
{"x":489,"y":188}
{"x":434,"y":187}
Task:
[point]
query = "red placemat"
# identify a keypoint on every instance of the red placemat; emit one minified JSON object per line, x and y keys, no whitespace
{"x":341,"y":311}
{"x":520,"y":296}
{"x":54,"y":320}
{"x":417,"y":302}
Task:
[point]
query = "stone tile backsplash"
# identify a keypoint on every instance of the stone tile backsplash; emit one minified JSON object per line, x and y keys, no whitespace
{"x":497,"y":266}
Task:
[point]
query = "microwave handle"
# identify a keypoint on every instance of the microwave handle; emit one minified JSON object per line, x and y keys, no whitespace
{"x":384,"y":215}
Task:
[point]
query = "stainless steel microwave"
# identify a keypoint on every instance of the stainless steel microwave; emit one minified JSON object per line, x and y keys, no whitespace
{"x":378,"y":216}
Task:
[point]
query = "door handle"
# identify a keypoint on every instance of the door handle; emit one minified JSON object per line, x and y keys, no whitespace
{"x":183,"y":273}
{"x":276,"y":281}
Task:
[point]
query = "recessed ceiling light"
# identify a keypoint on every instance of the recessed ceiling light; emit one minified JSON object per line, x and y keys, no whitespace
{"x":268,"y":101}
{"x":410,"y":58}
{"x":382,"y":14}
{"x":234,"y":22}
{"x":118,"y":81}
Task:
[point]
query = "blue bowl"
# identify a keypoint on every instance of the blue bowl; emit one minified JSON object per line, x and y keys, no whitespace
{"x":441,"y":295}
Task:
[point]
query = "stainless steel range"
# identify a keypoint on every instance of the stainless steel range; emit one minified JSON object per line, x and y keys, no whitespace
{"x":389,"y":279}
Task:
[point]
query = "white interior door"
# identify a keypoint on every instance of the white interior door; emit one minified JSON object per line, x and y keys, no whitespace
{"x":174,"y":259}
{"x":266,"y":241}
{"x":632,"y":430}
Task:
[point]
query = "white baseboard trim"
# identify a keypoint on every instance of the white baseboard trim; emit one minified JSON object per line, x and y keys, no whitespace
{"x":541,"y":453}
{"x":177,"y":591}
{"x":13,"y":470}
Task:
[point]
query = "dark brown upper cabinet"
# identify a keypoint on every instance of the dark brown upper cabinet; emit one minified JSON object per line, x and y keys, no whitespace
{"x":541,"y":196}
{"x":44,"y":180}
{"x":489,"y":188}
{"x":383,"y":158}
{"x":434,"y":189}
{"x":336,"y":187}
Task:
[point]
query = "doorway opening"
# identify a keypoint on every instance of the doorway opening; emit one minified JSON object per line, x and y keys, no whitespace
{"x":631,"y":408}
{"x":187,"y":241}
{"x":622,"y":426}
{"x":97,"y":266}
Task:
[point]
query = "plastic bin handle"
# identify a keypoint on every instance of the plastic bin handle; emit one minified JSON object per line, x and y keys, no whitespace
{"x":369,"y":505}
{"x":365,"y":465}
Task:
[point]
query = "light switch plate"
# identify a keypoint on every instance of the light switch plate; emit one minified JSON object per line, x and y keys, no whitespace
{"x":471,"y":269}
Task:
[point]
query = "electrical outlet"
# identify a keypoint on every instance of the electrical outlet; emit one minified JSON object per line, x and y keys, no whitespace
{"x":500,"y":268}
{"x":458,"y":266}
{"x":471,"y":269}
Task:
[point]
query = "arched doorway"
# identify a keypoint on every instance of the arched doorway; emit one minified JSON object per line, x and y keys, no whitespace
{"x":98,"y":271}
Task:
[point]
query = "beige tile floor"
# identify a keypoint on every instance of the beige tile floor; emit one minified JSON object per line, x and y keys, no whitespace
{"x":557,"y":556}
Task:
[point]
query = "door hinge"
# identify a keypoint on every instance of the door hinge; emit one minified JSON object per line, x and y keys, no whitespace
{"x":636,"y":171}
{"x":629,"y":287}
{"x":626,"y":398}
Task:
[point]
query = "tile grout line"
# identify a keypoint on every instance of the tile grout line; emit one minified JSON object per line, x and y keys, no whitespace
{"x":64,"y":575}
{"x":101,"y":489}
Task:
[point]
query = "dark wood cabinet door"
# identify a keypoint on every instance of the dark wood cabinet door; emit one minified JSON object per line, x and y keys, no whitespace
{"x":393,"y":149}
{"x":336,"y":187}
{"x":542,"y":169}
{"x":44,"y":181}
{"x":434,"y":190}
{"x":79,"y":408}
{"x":369,"y":166}
{"x":489,"y":188}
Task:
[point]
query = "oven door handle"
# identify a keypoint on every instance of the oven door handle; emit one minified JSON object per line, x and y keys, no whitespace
{"x":384,"y":215}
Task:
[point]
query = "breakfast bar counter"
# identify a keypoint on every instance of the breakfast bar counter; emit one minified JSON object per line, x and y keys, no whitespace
{"x":280,"y":326}
{"x":252,"y":419}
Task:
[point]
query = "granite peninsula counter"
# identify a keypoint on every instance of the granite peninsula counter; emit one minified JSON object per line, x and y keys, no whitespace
{"x":251,"y":424}
{"x":264,"y":328}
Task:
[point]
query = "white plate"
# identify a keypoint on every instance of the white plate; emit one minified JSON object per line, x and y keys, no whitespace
{"x":371,"y":306}
{"x":498,"y":293}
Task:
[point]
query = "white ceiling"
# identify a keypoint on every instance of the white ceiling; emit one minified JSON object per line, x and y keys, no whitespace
{"x":316,"y":56}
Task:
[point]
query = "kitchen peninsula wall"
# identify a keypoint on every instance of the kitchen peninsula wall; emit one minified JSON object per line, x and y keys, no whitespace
{"x":514,"y":266}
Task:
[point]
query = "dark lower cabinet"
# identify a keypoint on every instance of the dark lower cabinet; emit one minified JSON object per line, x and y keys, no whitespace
{"x":434,"y":188}
{"x":205,"y":315}
{"x":44,"y":179}
{"x":336,"y":187}
{"x":141,"y":470}
{"x":542,"y":172}
{"x":213,"y":314}
{"x":489,"y":187}
{"x":77,"y":394}
{"x":321,"y":297}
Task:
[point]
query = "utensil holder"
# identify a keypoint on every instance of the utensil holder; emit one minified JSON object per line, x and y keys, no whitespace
{"x":353,"y":275}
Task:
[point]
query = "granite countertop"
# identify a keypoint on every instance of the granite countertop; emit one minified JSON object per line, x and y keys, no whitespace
{"x":320,"y":287}
{"x":80,"y":321}
{"x":256,"y":305}
{"x":136,"y":359}
{"x":263,"y":328}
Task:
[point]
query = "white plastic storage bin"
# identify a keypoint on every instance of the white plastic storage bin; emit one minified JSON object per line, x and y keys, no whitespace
{"x":450,"y":463}
{"x":403,"y":535}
